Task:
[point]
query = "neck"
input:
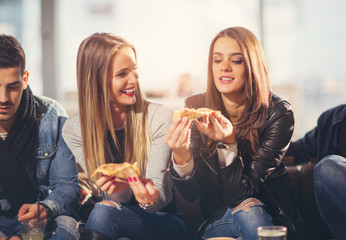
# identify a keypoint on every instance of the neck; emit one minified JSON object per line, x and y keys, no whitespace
{"x":5,"y":127}
{"x":234,"y":107}
{"x":119,"y":115}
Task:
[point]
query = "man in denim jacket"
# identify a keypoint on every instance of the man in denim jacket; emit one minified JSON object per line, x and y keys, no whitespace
{"x":38,"y":173}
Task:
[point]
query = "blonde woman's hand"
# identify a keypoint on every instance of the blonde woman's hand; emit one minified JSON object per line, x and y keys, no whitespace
{"x":110,"y":184}
{"x":178,"y":139}
{"x":220,"y":129}
{"x":144,"y":190}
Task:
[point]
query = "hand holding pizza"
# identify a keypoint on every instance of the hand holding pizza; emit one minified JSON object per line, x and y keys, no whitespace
{"x":220,"y":129}
{"x":178,"y":139}
{"x":114,"y":176}
{"x":144,"y":191}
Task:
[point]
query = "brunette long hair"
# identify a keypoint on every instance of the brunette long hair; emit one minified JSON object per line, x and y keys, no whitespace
{"x":257,"y":88}
{"x":94,"y":72}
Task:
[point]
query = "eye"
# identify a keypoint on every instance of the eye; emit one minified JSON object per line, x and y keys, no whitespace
{"x":122,"y":74}
{"x":237,"y":61}
{"x":217,"y":60}
{"x":13,"y":86}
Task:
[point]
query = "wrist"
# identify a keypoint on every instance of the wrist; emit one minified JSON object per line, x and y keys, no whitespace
{"x":229,"y":140}
{"x":181,"y":160}
{"x":49,"y":212}
{"x":225,"y":145}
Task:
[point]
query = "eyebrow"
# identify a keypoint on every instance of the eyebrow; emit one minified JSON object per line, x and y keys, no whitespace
{"x":14,"y":83}
{"x":232,"y":54}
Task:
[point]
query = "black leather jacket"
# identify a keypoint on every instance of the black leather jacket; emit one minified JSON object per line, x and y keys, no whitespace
{"x":263,"y":177}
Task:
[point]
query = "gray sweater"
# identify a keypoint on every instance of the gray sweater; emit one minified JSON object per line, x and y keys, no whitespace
{"x":160,"y":118}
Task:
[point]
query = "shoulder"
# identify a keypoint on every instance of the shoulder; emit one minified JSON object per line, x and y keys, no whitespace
{"x":158,"y":112}
{"x":72,"y":123}
{"x":279,"y":107}
{"x":333,"y":115}
{"x":50,"y":107}
{"x":196,"y":100}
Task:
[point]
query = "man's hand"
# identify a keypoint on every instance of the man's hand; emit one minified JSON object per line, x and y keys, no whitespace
{"x":30,"y":211}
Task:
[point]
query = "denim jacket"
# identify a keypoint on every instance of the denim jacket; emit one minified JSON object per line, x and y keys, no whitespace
{"x":56,"y":170}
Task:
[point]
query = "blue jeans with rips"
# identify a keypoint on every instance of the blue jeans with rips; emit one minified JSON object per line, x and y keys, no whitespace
{"x":134,"y":223}
{"x":240,"y":223}
{"x":66,"y":228}
{"x":330,"y":193}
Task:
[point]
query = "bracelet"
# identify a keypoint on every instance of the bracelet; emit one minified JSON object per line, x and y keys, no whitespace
{"x":223,"y":145}
{"x":146,"y":206}
{"x":48,"y":210}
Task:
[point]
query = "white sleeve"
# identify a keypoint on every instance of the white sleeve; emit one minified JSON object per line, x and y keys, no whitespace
{"x":227,"y":155}
{"x":184,"y":171}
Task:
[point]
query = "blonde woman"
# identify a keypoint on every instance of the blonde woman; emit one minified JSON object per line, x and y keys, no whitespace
{"x":233,"y":162}
{"x":116,"y":124}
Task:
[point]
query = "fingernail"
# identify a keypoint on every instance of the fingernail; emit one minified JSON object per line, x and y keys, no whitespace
{"x":135,"y":179}
{"x":113,"y":184}
{"x":130,"y":179}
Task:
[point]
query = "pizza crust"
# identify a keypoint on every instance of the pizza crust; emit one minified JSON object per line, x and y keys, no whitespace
{"x":119,"y":170}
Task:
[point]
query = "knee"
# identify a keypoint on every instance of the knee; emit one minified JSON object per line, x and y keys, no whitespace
{"x":67,"y":228}
{"x":327,"y":167}
{"x":246,"y":205}
{"x":111,"y":203}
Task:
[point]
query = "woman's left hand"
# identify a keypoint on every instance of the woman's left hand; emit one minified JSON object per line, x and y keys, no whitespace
{"x":144,"y":190}
{"x":220,"y":129}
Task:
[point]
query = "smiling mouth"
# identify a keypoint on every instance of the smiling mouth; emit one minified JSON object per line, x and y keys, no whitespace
{"x":226,"y":78}
{"x":128,"y":91}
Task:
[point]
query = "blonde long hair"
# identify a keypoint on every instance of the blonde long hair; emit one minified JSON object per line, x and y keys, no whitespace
{"x":94,"y":71}
{"x":257,"y":87}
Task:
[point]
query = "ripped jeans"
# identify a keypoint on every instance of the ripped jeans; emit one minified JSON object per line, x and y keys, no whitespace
{"x":116,"y":221}
{"x":240,"y":222}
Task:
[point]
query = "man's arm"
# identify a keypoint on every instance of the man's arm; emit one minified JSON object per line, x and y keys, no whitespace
{"x":63,"y":178}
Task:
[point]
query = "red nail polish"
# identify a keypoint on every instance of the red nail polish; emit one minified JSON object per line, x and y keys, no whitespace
{"x":135,"y":179}
{"x":113,"y":184}
{"x":130,"y":179}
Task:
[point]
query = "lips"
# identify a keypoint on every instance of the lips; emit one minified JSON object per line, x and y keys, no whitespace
{"x":226,"y":79}
{"x":4,"y":109}
{"x":128,"y":91}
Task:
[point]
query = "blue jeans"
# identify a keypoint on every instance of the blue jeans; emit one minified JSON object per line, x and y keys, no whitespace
{"x":239,"y":223}
{"x":66,"y":228}
{"x":330,"y":193}
{"x":134,"y":223}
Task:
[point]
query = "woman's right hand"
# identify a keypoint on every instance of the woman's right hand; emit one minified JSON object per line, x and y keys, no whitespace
{"x":178,"y":139}
{"x":110,"y":184}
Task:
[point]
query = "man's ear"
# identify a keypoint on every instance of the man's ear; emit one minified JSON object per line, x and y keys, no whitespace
{"x":25,"y":79}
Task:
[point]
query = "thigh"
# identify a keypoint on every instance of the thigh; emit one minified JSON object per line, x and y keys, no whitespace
{"x":63,"y":228}
{"x":134,"y":223}
{"x":240,"y":222}
{"x":9,"y":227}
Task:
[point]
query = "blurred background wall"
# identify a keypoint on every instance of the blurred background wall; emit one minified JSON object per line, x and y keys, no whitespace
{"x":303,"y":41}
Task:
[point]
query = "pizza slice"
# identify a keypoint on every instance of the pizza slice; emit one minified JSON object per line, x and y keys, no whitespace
{"x":120,"y":170}
{"x":193,"y":113}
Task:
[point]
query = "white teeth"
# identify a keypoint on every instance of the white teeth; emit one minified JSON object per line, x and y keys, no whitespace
{"x":128,"y":91}
{"x":227,"y":78}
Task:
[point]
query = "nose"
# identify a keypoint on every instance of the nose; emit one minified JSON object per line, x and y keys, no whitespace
{"x":226,"y":66}
{"x":3,"y":95}
{"x":133,"y":77}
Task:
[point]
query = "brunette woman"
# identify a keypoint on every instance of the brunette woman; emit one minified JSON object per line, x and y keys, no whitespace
{"x":232,"y":162}
{"x":115,"y":125}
